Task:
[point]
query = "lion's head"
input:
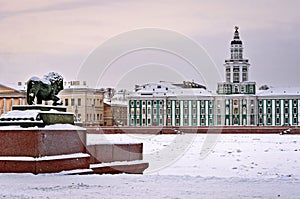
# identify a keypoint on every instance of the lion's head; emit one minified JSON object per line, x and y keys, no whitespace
{"x":56,"y":81}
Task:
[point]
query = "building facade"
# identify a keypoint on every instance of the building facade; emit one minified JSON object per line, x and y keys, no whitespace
{"x":236,"y":102}
{"x":115,"y":108}
{"x":86,"y":103}
{"x":11,"y":94}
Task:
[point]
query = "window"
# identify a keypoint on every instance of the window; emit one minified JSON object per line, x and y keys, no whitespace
{"x":185,"y":103}
{"x":235,"y":102}
{"x":161,"y":103}
{"x":72,"y":102}
{"x":169,"y":103}
{"x":277,"y":120}
{"x":235,"y":111}
{"x":79,"y":101}
{"x":251,"y":89}
{"x":202,"y":111}
{"x":245,"y":74}
{"x":169,"y":111}
{"x":242,"y":88}
{"x":236,"y":75}
{"x":185,"y":121}
{"x":286,"y":110}
{"x":185,"y":111}
{"x":194,"y":121}
{"x":194,"y":111}
{"x":277,"y":110}
{"x":295,"y":102}
{"x":161,"y":121}
{"x":228,"y":74}
{"x":194,"y":103}
{"x":295,"y":120}
{"x":177,"y":111}
{"x":202,"y":103}
{"x":286,"y":120}
{"x":269,"y":120}
{"x":66,"y":102}
{"x":160,"y":111}
{"x":286,"y":102}
{"x":295,"y":111}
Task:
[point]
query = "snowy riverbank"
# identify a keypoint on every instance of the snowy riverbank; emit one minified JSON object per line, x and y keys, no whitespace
{"x":181,"y":166}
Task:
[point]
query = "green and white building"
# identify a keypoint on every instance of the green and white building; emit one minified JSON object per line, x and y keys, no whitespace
{"x":236,"y":101}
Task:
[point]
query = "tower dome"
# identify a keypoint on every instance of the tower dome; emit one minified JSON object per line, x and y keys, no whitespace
{"x":236,"y":37}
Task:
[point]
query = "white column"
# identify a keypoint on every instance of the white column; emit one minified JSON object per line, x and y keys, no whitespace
{"x":273,"y":112}
{"x":206,"y":113}
{"x":173,"y":112}
{"x":190,"y":112}
{"x":264,"y":112}
{"x":198,"y":113}
{"x":282,"y":112}
{"x":181,"y":113}
{"x":4,"y":105}
{"x":290,"y":111}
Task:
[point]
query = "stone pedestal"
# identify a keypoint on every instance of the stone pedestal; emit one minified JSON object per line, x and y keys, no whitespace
{"x":36,"y":115}
{"x":42,"y":150}
{"x":59,"y":147}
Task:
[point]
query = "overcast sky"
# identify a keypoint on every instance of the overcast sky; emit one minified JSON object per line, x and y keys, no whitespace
{"x":58,"y":35}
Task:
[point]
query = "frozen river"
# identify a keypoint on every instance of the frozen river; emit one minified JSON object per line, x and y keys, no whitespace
{"x":181,"y":166}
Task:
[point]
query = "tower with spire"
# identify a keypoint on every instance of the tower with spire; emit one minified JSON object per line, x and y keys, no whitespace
{"x":236,"y":70}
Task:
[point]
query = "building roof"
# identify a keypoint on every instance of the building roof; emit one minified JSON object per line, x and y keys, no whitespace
{"x":279,"y":91}
{"x":165,"y":89}
{"x":18,"y":87}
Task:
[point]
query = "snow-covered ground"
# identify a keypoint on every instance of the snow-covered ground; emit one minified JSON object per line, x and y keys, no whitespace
{"x":181,"y":166}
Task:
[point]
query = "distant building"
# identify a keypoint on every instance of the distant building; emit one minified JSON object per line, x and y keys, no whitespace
{"x":11,"y":94}
{"x":235,"y":102}
{"x":86,"y":103}
{"x":115,"y":109}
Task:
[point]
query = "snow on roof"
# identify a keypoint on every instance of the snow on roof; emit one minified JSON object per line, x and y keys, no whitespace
{"x":273,"y":91}
{"x":15,"y":86}
{"x":162,"y":89}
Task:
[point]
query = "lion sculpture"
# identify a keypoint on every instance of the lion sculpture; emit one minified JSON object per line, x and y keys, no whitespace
{"x":45,"y":88}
